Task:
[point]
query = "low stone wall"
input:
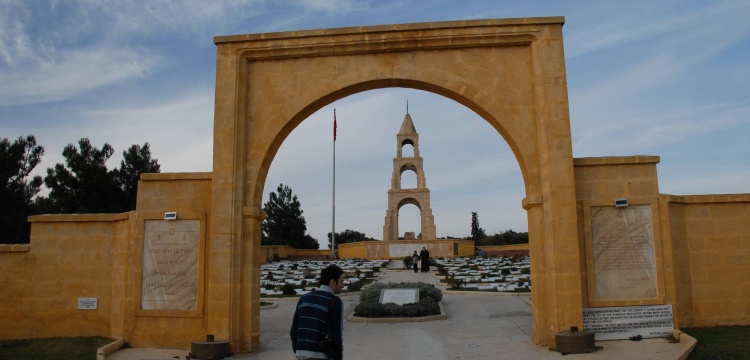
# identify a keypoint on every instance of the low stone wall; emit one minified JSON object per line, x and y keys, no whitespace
{"x":505,"y":250}
{"x":398,"y":249}
{"x":70,"y":257}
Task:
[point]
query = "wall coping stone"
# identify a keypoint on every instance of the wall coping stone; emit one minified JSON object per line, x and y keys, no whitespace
{"x":15,"y":247}
{"x":616,"y":160}
{"x":389,"y":28}
{"x":80,"y":217}
{"x":707,"y":199}
{"x":177,"y":176}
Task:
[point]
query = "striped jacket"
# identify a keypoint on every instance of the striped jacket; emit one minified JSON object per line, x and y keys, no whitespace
{"x":318,"y":313}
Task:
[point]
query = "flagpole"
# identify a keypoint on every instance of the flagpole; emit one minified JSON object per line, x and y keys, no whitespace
{"x":333,"y":218}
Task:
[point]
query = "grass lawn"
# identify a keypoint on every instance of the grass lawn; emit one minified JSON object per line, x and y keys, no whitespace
{"x":83,"y":348}
{"x":719,"y":343}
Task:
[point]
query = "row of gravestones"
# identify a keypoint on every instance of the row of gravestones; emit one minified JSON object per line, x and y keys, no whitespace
{"x":490,"y":274}
{"x":304,"y":274}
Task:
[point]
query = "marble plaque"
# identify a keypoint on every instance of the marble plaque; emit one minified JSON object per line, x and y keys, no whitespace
{"x":617,"y":323}
{"x":86,"y":303}
{"x":171,"y":249}
{"x":399,"y":296}
{"x":623,"y":253}
{"x":401,"y":250}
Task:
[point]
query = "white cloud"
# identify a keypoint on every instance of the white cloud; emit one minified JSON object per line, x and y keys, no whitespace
{"x":74,"y":73}
{"x":617,"y":28}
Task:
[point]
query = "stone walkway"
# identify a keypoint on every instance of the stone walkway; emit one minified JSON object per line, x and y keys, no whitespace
{"x":479,"y":326}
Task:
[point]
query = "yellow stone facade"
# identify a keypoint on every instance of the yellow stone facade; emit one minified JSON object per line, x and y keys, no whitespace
{"x":511,"y":72}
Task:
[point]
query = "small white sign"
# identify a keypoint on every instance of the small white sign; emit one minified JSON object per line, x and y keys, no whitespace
{"x":87,"y":303}
{"x":399,"y":296}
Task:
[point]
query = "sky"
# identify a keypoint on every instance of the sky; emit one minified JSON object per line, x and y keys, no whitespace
{"x":666,"y":78}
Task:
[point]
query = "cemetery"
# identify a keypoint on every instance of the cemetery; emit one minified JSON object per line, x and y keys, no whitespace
{"x":302,"y":276}
{"x":489,"y":274}
{"x":492,"y":274}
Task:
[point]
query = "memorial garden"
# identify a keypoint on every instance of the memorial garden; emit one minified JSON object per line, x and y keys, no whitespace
{"x":489,"y":274}
{"x":486,"y":274}
{"x":285,"y":278}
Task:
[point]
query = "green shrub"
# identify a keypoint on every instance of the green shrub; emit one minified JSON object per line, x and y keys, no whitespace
{"x":356,"y":286}
{"x":441,"y":270}
{"x":369,"y":309}
{"x":369,"y":305}
{"x":288,"y":289}
{"x":424,"y":307}
{"x":408,"y":262}
{"x":455,"y":284}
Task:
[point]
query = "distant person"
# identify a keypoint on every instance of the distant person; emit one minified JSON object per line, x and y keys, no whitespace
{"x":415,"y":260}
{"x":425,"y":256}
{"x":320,"y":313}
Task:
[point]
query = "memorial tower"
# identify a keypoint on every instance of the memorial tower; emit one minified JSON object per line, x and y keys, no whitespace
{"x":419,"y":196}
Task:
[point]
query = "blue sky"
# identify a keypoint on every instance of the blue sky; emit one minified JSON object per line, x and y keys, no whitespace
{"x":666,"y":78}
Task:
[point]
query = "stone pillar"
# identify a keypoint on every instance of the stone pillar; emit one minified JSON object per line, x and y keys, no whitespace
{"x":249,"y":324}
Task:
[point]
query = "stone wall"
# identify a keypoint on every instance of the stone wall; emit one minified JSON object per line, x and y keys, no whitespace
{"x":704,"y":246}
{"x":701,"y":242}
{"x":74,"y":256}
{"x":714,"y":233}
{"x":70,"y":257}
{"x":505,"y":250}
{"x":397,"y":249}
{"x":599,"y":181}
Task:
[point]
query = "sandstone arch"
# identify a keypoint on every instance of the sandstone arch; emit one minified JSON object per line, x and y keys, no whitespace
{"x":511,"y":72}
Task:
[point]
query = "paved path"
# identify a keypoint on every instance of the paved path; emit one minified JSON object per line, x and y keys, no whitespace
{"x":479,"y":326}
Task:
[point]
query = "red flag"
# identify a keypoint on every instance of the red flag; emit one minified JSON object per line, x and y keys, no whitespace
{"x":334,"y":124}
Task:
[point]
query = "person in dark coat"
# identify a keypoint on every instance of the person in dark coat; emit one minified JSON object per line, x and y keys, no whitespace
{"x":424,"y":255}
{"x":319,"y":314}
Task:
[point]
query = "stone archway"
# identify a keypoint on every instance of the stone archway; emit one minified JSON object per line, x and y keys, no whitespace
{"x":509,"y":71}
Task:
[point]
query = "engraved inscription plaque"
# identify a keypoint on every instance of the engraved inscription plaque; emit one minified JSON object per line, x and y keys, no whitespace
{"x":401,"y":250}
{"x":170,"y":265}
{"x":623,"y":249}
{"x":399,"y":296}
{"x":613,"y":323}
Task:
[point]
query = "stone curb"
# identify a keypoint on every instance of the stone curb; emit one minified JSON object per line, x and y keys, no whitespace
{"x":688,"y":343}
{"x":269,"y":307}
{"x":442,"y":316}
{"x":105,"y":350}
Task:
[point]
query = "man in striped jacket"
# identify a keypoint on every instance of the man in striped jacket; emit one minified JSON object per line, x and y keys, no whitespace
{"x":320,"y":313}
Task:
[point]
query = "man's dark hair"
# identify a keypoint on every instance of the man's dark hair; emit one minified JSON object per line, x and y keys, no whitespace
{"x":331,"y":272}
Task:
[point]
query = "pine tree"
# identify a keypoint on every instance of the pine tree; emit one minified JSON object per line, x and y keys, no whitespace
{"x":135,"y":161}
{"x":284,"y":223}
{"x":17,"y":160}
{"x":83,"y":184}
{"x":477,"y":233}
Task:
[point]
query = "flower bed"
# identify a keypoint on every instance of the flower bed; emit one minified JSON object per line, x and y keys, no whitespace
{"x":370,"y":305}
